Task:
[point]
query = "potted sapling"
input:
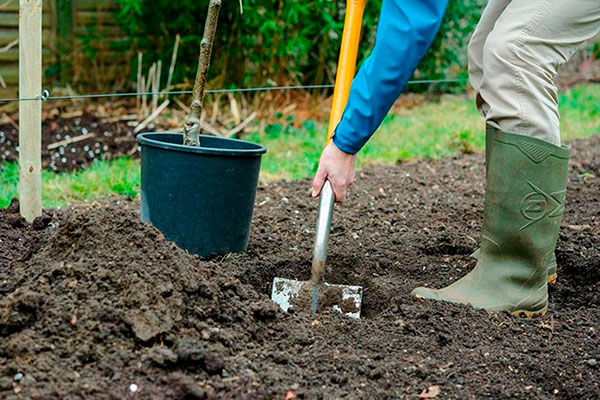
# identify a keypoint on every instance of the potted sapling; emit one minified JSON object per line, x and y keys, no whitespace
{"x":199,"y":190}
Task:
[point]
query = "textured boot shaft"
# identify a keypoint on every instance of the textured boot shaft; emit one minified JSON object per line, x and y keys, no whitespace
{"x":525,"y":200}
{"x":489,"y":139}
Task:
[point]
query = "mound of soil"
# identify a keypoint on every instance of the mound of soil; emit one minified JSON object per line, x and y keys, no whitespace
{"x":95,"y":304}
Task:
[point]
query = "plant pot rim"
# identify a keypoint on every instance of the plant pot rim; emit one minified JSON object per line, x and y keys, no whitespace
{"x":152,"y":139}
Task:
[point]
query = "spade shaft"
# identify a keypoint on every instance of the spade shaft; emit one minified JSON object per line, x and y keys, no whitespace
{"x":343,"y":82}
{"x":321,"y":242}
{"x":344,"y":298}
{"x":322,"y":234}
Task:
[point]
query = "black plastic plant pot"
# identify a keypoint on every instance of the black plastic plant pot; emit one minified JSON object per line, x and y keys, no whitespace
{"x":201,"y":198}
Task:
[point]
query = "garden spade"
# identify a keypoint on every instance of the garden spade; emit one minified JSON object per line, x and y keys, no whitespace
{"x":316,"y":293}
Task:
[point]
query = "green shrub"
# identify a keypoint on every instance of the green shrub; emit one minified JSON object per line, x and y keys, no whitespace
{"x":282,"y":41}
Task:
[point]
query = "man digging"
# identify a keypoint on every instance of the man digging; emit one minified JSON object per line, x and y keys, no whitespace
{"x":514,"y":55}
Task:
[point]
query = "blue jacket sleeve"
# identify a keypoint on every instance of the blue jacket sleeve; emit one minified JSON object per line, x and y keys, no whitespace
{"x":405,"y":32}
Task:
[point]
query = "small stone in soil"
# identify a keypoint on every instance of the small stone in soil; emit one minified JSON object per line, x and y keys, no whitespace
{"x":162,"y":356}
{"x":192,"y":353}
{"x":5,"y":383}
{"x":592,"y":363}
{"x":133,"y":388}
{"x":18,"y":376}
{"x":27,"y":380}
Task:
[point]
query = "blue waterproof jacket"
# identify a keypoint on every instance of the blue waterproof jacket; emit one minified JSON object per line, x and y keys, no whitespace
{"x":405,"y":32}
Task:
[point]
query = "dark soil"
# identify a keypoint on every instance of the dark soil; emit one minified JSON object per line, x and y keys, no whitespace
{"x":110,"y":139}
{"x":93,"y":301}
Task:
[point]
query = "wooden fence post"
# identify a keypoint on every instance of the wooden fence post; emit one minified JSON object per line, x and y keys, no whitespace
{"x":64,"y":38}
{"x":30,"y":112}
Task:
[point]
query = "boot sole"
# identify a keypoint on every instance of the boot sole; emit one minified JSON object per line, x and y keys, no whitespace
{"x":518,"y":313}
{"x":530,"y":314}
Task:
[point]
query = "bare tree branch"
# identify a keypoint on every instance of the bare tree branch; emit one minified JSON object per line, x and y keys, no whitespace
{"x":191,"y":128}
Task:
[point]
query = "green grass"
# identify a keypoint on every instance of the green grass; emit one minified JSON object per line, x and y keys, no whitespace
{"x":100,"y":180}
{"x":443,"y":127}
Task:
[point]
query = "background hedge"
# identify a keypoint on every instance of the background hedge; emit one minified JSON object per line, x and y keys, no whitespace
{"x":278,"y":41}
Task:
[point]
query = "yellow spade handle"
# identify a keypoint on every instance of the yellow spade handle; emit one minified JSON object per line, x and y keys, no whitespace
{"x":347,"y":62}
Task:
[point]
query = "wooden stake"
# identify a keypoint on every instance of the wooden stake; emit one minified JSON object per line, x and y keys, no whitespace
{"x":30,"y":112}
{"x":191,"y":128}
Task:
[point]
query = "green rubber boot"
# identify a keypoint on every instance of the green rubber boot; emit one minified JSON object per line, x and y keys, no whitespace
{"x":524,"y":203}
{"x":552,"y":265}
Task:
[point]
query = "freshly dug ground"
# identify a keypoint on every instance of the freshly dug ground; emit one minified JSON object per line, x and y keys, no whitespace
{"x":95,"y":304}
{"x":103,"y":138}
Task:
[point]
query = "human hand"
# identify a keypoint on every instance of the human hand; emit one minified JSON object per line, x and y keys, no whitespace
{"x":337,"y":167}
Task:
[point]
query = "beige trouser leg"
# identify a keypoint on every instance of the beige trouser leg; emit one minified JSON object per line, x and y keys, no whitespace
{"x":486,"y":23}
{"x":514,"y":55}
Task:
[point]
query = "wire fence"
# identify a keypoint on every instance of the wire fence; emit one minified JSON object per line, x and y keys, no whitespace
{"x":47,"y":96}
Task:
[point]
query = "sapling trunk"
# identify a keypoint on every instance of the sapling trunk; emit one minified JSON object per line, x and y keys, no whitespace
{"x":191,"y":128}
